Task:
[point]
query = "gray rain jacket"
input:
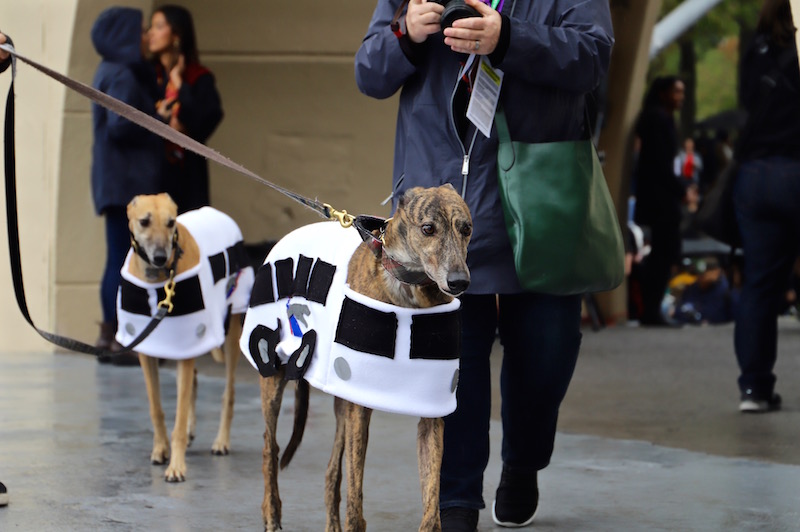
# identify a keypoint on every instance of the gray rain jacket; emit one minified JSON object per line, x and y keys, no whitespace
{"x":557,"y":51}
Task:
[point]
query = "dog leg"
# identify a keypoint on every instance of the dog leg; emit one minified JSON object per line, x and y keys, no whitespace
{"x":160,"y":452}
{"x":271,"y":398}
{"x":430,"y":433}
{"x":333,"y":475}
{"x":176,"y":471}
{"x":222,"y":443}
{"x":356,"y":436}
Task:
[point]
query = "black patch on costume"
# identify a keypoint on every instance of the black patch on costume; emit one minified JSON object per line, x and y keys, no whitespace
{"x":188,"y":297}
{"x":262,"y":292}
{"x":237,"y":257}
{"x":227,"y":323}
{"x":436,"y":336}
{"x":293,"y":370}
{"x":367,"y":330}
{"x":284,"y":277}
{"x":268,"y":367}
{"x":320,"y":283}
{"x":217,"y":263}
{"x":299,"y":287}
{"x":134,"y":298}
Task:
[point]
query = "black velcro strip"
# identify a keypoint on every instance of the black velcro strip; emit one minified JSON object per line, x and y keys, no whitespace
{"x":237,"y":257}
{"x":134,"y":298}
{"x":188,"y":297}
{"x":218,"y":269}
{"x":366,"y":330}
{"x":262,"y":292}
{"x":284,"y":277}
{"x":301,"y":276}
{"x":320,"y":283}
{"x":436,"y":336}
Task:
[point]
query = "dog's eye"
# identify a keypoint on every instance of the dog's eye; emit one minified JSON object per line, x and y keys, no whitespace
{"x":466,"y":230}
{"x":428,"y":230}
{"x":170,"y":224}
{"x":144,"y":222}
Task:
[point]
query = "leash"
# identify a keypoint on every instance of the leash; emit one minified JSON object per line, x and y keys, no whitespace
{"x":163,"y":130}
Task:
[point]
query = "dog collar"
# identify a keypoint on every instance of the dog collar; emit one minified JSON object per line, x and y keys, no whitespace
{"x":367,"y":225}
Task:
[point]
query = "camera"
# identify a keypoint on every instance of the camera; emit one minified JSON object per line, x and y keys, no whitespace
{"x":454,"y":10}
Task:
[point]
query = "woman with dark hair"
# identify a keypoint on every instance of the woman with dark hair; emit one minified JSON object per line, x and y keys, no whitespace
{"x":659,"y":193}
{"x":189,"y":102}
{"x":766,"y":196}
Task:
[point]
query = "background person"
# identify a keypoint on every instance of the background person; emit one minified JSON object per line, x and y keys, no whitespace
{"x":126,"y":159}
{"x":766,"y":196}
{"x":553,"y":53}
{"x":659,"y":193}
{"x":188,"y":101}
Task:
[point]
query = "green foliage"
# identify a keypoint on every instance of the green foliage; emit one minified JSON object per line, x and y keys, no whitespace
{"x":716,"y":39}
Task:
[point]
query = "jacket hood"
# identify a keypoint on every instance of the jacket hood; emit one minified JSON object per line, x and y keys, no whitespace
{"x":117,"y":34}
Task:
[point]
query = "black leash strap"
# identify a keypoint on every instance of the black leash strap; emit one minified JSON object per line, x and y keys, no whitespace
{"x":12,"y":226}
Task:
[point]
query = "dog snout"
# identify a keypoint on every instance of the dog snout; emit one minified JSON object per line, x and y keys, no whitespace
{"x":159,"y":258}
{"x":457,"y":282}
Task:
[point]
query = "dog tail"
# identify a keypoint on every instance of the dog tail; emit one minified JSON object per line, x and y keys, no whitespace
{"x":301,"y":395}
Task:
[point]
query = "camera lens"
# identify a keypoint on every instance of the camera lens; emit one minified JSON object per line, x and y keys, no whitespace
{"x":454,"y":10}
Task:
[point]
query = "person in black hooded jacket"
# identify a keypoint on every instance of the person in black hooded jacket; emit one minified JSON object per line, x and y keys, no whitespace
{"x":127,"y":160}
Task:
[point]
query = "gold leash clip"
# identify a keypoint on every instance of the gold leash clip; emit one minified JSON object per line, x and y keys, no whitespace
{"x":169,"y":291}
{"x":345,"y":219}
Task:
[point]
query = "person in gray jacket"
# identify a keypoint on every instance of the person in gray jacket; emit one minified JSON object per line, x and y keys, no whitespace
{"x":553,"y":53}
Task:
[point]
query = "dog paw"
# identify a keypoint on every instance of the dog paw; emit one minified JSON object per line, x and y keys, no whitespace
{"x":220,"y":449}
{"x":175,"y":474}
{"x":159,"y":457}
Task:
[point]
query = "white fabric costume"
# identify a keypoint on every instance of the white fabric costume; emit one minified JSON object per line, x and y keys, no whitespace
{"x":204,"y":294}
{"x":381,"y":356}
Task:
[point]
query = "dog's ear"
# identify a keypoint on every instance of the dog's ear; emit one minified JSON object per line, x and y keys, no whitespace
{"x":406,"y":198}
{"x":131,"y":206}
{"x":449,"y":186}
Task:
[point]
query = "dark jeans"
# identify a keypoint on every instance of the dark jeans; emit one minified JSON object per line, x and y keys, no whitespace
{"x":541,"y":338}
{"x":767,"y":196}
{"x":118,"y":241}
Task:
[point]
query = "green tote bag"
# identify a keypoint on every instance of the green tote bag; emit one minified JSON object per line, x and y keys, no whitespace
{"x":559,"y":215}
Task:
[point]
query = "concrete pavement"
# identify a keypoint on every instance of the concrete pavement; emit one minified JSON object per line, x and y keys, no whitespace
{"x":650,"y":439}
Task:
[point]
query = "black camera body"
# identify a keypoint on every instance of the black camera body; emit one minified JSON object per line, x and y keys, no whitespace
{"x":454,"y":10}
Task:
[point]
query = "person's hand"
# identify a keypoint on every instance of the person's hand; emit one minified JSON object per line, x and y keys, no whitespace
{"x":176,"y":72}
{"x":422,"y":19}
{"x":164,"y":108}
{"x":3,"y":54}
{"x":475,"y":35}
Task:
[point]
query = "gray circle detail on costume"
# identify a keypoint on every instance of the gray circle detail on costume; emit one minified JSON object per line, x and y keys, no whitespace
{"x":263,"y":350}
{"x":454,"y":383}
{"x":201,"y":330}
{"x":130,"y":329}
{"x":342,"y":368}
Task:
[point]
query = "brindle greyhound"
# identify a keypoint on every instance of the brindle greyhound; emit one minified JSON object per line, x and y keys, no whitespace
{"x":159,"y":241}
{"x":429,"y":232}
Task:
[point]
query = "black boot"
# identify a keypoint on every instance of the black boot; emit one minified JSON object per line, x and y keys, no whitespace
{"x":107,"y":332}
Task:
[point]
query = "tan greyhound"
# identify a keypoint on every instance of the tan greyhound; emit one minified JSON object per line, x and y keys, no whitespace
{"x":167,"y":247}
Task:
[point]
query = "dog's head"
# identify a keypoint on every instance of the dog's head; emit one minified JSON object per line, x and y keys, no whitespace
{"x":430,"y":232}
{"x":152,"y":222}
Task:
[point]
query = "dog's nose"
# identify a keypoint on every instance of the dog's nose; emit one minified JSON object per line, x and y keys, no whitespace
{"x":159,"y":259}
{"x":458,"y":282}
